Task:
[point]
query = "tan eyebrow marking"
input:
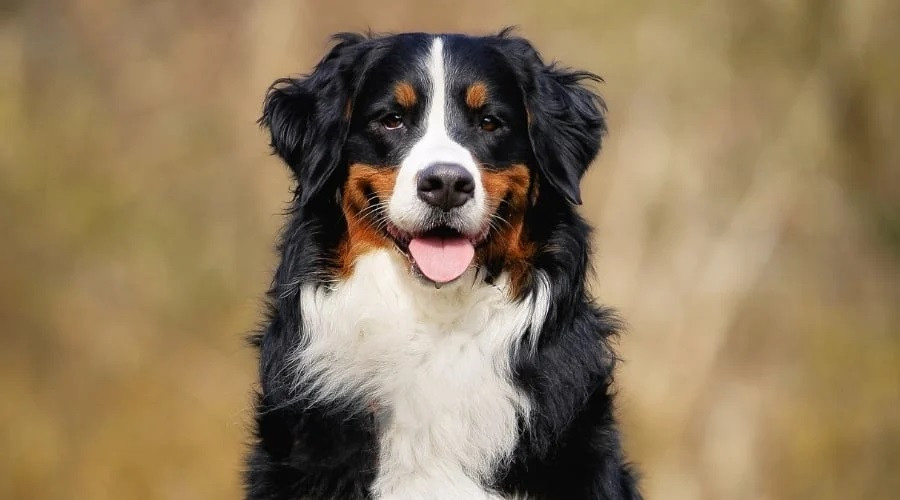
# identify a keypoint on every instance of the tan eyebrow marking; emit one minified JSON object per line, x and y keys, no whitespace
{"x":405,"y":94}
{"x":476,"y":95}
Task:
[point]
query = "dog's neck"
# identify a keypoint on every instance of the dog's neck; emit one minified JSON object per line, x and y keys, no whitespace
{"x":436,"y":363}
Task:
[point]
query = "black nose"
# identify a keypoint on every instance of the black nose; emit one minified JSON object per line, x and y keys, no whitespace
{"x":445,"y":185}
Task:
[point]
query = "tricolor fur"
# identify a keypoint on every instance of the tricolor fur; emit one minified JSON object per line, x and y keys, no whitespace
{"x":429,"y":333}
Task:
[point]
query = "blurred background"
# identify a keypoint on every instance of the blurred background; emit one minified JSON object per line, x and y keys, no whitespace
{"x":747,"y":206}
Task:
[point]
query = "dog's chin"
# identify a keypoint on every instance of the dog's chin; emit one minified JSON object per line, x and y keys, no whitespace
{"x":403,"y":239}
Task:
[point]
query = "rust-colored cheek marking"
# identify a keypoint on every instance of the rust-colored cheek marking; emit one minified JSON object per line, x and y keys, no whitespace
{"x":405,"y":94}
{"x":365,"y":186}
{"x":476,"y":95}
{"x":507,"y":194}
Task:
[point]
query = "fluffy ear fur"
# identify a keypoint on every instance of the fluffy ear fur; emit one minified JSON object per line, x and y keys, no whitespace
{"x":566,"y":120}
{"x":308,"y":117}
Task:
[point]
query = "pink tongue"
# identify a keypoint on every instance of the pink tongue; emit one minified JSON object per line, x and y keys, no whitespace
{"x":442,"y":259}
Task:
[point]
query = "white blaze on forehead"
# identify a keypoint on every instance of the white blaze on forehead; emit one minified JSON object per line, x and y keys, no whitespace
{"x":436,"y":124}
{"x":405,"y":209}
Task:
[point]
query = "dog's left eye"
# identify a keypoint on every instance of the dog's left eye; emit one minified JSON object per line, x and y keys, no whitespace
{"x":489,"y":123}
{"x":392,"y":121}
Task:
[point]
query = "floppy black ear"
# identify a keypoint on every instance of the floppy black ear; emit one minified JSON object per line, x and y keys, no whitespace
{"x":566,"y":124}
{"x":308,"y":117}
{"x":566,"y":119}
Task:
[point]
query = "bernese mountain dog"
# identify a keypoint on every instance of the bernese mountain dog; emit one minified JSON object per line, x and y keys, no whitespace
{"x":430,"y":333}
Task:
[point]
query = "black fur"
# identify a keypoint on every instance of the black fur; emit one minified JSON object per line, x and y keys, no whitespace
{"x":566,"y":119}
{"x":571,"y":447}
{"x":305,"y":115}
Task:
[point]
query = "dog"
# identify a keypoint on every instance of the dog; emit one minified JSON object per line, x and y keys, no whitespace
{"x":429,"y":332}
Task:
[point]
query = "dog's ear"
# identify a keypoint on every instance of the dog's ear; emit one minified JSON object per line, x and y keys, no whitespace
{"x":308,"y":117}
{"x":566,"y":124}
{"x":565,"y":119}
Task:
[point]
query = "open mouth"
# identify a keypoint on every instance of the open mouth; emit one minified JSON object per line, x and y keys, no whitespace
{"x":441,"y":254}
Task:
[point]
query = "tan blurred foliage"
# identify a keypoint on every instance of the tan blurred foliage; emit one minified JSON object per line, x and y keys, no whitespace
{"x":746,"y":205}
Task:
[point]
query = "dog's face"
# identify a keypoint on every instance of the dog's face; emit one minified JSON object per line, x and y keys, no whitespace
{"x":438,"y":141}
{"x":437,"y":145}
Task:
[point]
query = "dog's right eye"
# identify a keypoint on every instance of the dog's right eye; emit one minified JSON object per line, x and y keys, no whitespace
{"x":392,"y":121}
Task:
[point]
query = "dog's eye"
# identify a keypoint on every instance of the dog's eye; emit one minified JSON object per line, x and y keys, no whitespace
{"x":490,"y":123}
{"x":392,"y":121}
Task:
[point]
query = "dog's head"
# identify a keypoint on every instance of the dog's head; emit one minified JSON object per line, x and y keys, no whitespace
{"x":436,"y":145}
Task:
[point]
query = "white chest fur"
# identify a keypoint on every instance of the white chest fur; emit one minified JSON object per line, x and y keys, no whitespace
{"x":435,"y":364}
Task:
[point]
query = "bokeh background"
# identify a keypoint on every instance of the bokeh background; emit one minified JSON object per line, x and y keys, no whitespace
{"x":747,"y":205}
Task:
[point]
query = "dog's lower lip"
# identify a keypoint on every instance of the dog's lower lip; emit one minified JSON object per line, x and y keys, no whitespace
{"x":402,"y":238}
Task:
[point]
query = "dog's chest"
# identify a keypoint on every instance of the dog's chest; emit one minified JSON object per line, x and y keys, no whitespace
{"x":434,"y":364}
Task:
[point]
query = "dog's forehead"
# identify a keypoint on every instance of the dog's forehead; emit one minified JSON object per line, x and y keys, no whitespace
{"x":465,"y":58}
